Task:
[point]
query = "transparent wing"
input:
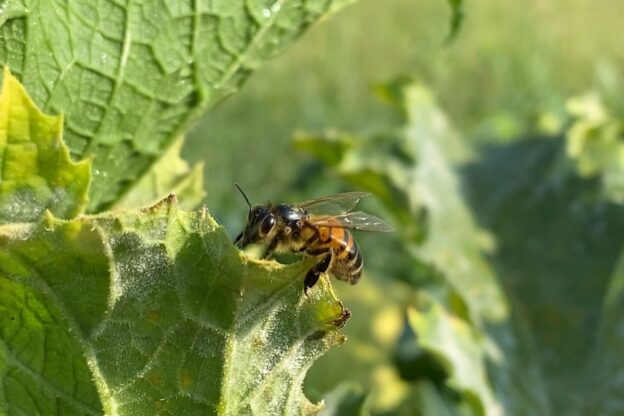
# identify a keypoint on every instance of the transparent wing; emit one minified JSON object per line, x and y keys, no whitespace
{"x":333,"y":204}
{"x":358,"y":220}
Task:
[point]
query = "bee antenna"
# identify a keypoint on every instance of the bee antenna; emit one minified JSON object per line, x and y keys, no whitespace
{"x":243,"y":194}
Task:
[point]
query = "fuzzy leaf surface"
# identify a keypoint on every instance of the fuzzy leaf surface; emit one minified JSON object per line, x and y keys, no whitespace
{"x":153,"y":311}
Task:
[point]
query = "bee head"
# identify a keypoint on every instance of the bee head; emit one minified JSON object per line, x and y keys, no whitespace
{"x":260,"y":222}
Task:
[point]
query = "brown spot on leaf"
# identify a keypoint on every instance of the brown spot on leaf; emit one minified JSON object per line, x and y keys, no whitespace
{"x":154,"y":377}
{"x":186,"y":379}
{"x":153,"y":315}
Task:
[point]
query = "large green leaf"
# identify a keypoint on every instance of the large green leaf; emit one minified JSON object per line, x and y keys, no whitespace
{"x":153,"y":312}
{"x":37,"y":172}
{"x":150,"y":311}
{"x":463,"y":353}
{"x":130,"y":77}
{"x":466,"y":325}
{"x":558,"y":243}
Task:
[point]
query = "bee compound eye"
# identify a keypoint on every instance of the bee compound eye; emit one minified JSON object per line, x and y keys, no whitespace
{"x":267,"y":224}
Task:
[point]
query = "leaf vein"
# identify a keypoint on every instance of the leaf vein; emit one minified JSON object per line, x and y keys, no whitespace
{"x":23,"y":367}
{"x":290,"y":353}
{"x":39,"y":283}
{"x":151,"y":358}
{"x":119,"y":77}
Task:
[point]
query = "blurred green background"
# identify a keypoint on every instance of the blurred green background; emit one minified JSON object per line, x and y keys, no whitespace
{"x":511,"y":63}
{"x":503,"y":82}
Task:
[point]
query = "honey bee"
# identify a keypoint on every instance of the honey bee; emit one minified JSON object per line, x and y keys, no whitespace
{"x":319,"y":228}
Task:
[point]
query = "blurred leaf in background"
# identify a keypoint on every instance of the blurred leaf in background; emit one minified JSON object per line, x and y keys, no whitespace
{"x":457,"y":17}
{"x":571,"y":220}
{"x":348,"y":399}
{"x":460,"y":316}
{"x":512,"y":64}
{"x":169,"y":174}
{"x":603,"y":372}
{"x":595,"y":143}
{"x":559,"y":240}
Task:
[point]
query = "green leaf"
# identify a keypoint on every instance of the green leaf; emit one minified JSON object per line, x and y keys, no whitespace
{"x":602,"y":377}
{"x":426,"y":399}
{"x":462,"y":350}
{"x":495,"y":369}
{"x":154,"y":311}
{"x":362,"y":368}
{"x":595,"y":143}
{"x":37,"y":173}
{"x":558,"y":255}
{"x":170,"y":174}
{"x":130,"y":77}
{"x":347,"y":399}
{"x":457,"y":18}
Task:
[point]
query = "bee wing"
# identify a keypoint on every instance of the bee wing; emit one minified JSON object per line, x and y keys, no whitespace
{"x":358,"y":220}
{"x":333,"y":204}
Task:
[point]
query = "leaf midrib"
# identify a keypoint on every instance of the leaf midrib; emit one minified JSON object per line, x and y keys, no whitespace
{"x":230,"y":71}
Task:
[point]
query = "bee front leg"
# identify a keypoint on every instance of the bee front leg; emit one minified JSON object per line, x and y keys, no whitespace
{"x":315,"y":272}
{"x":268,"y":253}
{"x":238,"y":239}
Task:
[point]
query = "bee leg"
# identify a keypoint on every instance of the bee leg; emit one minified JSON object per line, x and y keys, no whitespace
{"x":238,"y":239}
{"x":268,"y":253}
{"x":315,"y":272}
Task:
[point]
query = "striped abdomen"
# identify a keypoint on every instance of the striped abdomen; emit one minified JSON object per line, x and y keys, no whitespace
{"x":346,"y":257}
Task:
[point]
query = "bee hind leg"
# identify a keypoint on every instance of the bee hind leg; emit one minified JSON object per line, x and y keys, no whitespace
{"x":315,"y":272}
